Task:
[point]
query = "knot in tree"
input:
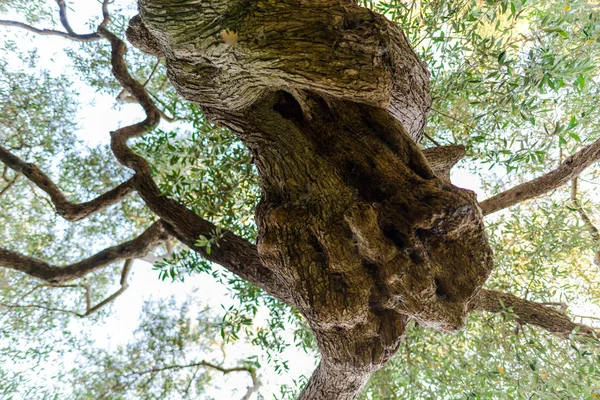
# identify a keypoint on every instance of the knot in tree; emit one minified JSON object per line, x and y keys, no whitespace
{"x":331,"y":101}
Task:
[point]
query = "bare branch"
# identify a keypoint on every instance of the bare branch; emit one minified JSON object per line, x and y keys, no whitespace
{"x":69,"y":34}
{"x":105,"y":14}
{"x":66,"y":209}
{"x":90,"y":37}
{"x":234,"y":253}
{"x":251,"y":389}
{"x":152,"y":259}
{"x":89,"y":309}
{"x":112,"y":297}
{"x":587,"y":222}
{"x":532,"y":313}
{"x":569,"y":169}
{"x":9,"y":184}
{"x":135,"y":248}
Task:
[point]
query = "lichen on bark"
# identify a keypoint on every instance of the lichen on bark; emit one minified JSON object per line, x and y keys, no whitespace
{"x":331,"y":101}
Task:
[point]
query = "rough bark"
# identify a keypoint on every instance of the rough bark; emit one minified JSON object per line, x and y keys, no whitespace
{"x":443,"y":158}
{"x":352,"y":219}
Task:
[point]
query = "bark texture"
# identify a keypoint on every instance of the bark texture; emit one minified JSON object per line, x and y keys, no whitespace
{"x":331,"y":100}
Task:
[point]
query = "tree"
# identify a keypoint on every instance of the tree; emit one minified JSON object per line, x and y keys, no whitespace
{"x":358,"y":228}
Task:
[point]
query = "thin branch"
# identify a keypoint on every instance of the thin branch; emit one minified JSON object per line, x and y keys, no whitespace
{"x":105,"y":14}
{"x":569,"y":169}
{"x":69,"y":34}
{"x":90,"y":37}
{"x":587,"y":222}
{"x":53,"y":309}
{"x":431,"y":139}
{"x":251,"y":389}
{"x":152,"y":259}
{"x":89,"y":309}
{"x":138,"y":247}
{"x":532,"y":313}
{"x":62,"y":12}
{"x":124,"y":285}
{"x":234,"y":253}
{"x":9,"y":184}
{"x":66,"y":209}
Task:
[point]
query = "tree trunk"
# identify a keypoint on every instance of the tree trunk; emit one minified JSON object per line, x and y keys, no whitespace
{"x":331,"y":100}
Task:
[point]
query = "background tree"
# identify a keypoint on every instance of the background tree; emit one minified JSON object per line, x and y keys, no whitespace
{"x":357,"y":231}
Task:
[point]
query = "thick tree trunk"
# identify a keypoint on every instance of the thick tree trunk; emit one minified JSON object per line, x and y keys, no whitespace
{"x":331,"y":100}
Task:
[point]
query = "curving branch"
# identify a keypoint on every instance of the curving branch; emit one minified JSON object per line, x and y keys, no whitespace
{"x":69,"y":34}
{"x":90,"y":37}
{"x":532,"y":313}
{"x":66,"y":209}
{"x":135,"y":248}
{"x":251,"y":371}
{"x":587,"y":222}
{"x":233,"y":252}
{"x":569,"y":169}
{"x":10,"y":183}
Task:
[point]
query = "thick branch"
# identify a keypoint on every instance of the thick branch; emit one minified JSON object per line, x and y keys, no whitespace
{"x":529,"y":312}
{"x":234,"y":253}
{"x":66,"y":209}
{"x":138,"y":247}
{"x":569,"y":169}
{"x":443,"y":158}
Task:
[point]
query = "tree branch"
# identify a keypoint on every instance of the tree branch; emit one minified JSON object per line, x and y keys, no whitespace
{"x":90,"y":37}
{"x":569,"y":169}
{"x":532,"y":313}
{"x":89,"y":309}
{"x":124,"y":285}
{"x":135,"y":248}
{"x":66,"y":209}
{"x":69,"y":34}
{"x":587,"y":222}
{"x":441,"y":159}
{"x":9,"y":184}
{"x":225,"y":371}
{"x":233,"y":252}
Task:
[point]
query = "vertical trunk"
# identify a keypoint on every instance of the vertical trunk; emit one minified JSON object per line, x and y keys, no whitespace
{"x":329,"y":382}
{"x":331,"y":100}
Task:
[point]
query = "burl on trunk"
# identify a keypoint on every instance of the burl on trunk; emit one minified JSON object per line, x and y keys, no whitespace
{"x":331,"y":100}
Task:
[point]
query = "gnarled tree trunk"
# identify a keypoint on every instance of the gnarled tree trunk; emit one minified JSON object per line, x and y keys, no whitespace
{"x":331,"y":101}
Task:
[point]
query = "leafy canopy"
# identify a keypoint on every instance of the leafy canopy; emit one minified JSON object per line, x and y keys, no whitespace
{"x":515,"y":81}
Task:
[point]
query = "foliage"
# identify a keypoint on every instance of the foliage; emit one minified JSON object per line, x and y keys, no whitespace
{"x":515,"y":81}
